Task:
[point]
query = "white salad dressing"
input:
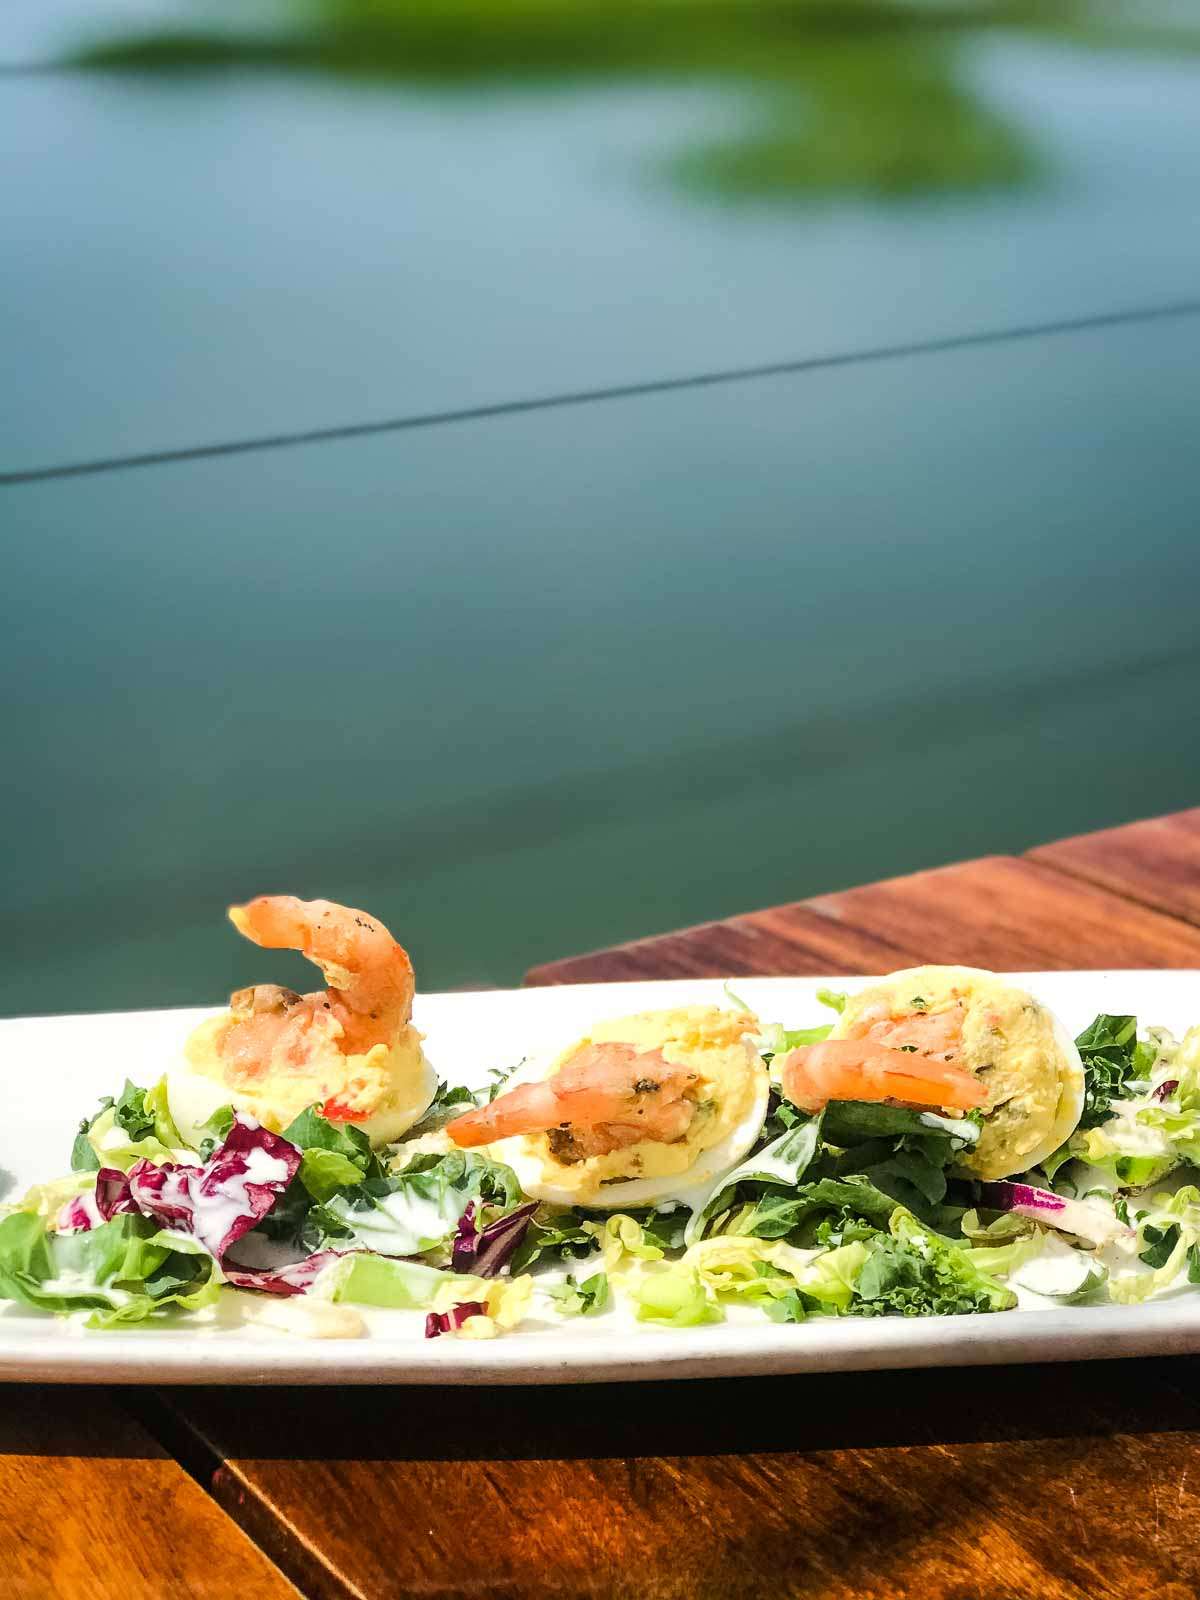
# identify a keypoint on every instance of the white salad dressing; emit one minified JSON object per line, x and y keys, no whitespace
{"x":399,"y":1223}
{"x":227,"y":1200}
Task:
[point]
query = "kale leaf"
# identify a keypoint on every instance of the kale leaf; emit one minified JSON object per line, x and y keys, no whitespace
{"x":1111,"y":1056}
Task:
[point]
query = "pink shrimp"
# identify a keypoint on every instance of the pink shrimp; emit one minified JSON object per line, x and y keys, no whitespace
{"x":606,"y":1097}
{"x":927,"y":1032}
{"x":913,"y":1059}
{"x":368,"y":1001}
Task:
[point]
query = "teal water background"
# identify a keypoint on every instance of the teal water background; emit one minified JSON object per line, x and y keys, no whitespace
{"x":535,"y":683}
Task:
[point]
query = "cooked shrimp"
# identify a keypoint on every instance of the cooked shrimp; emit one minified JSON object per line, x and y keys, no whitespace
{"x":368,"y":1001}
{"x":606,"y":1097}
{"x":927,"y":1032}
{"x":859,"y":1069}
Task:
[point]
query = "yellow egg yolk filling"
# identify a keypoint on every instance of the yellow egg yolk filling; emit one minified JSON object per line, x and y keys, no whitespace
{"x":703,"y":1039}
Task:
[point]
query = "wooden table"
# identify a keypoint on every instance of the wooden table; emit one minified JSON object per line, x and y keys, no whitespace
{"x":1070,"y":1482}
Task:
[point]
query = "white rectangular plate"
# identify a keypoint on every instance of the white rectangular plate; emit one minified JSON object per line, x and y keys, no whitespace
{"x":53,"y":1069}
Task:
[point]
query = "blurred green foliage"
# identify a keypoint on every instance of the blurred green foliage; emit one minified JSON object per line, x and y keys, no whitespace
{"x":844,"y":96}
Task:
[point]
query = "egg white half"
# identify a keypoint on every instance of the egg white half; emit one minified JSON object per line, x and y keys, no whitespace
{"x":194,"y":1096}
{"x":1071,"y":1092}
{"x":1069,"y":1067}
{"x":684,"y":1186}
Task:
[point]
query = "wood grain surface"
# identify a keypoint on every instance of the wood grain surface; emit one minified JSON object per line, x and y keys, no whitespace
{"x":999,"y":912}
{"x":92,"y":1508}
{"x":785,"y":940}
{"x":1036,"y":1483}
{"x":1155,"y":862}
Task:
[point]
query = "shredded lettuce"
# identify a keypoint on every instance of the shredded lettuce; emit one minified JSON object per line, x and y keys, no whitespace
{"x":1142,"y":1114}
{"x":622,"y":1242}
{"x":46,"y":1200}
{"x":505,"y":1302}
{"x":674,"y":1296}
{"x":370,"y":1280}
{"x":1169,"y":1236}
{"x":581,"y":1297}
{"x":137,"y":1126}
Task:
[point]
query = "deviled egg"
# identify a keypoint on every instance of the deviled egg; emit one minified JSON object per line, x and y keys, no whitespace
{"x":642,"y":1110}
{"x":1015,"y":1047}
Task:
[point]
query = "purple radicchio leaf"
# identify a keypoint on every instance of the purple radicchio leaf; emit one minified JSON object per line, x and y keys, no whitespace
{"x":486,"y":1251}
{"x":1052,"y":1210}
{"x":79,"y":1215}
{"x":112,"y":1193}
{"x":294,"y":1278}
{"x":110,"y":1198}
{"x":217,"y":1203}
{"x":228,"y":1195}
{"x":439,"y":1322}
{"x":1165,"y":1090}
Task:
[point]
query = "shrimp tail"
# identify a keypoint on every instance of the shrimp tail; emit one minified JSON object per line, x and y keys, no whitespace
{"x":370,"y":976}
{"x":528,"y":1108}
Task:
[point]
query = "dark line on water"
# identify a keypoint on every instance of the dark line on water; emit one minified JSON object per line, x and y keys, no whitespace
{"x":624,"y":391}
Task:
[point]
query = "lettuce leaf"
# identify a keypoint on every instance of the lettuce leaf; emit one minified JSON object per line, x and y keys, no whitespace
{"x":136,"y":1127}
{"x":674,"y":1296}
{"x":556,"y":1233}
{"x":156,"y":1106}
{"x":583,"y":1297}
{"x":889,"y":1154}
{"x":1108,"y":1048}
{"x":125,"y":1271}
{"x":778,"y":1165}
{"x":46,"y":1200}
{"x":417,"y":1210}
{"x":623,"y":1242}
{"x":314,"y":1135}
{"x":372,"y":1280}
{"x":762,"y":1272}
{"x":1169,"y":1236}
{"x":819,"y":1212}
{"x":449,"y":1101}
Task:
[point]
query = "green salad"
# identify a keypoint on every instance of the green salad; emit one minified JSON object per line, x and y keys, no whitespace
{"x":856,"y":1208}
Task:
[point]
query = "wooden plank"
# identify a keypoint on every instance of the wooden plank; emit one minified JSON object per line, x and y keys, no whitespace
{"x":94,"y":1509}
{"x":1036,"y":1483}
{"x":781,"y":941}
{"x":997,"y":912}
{"x":1001,"y":912}
{"x":1156,"y":862}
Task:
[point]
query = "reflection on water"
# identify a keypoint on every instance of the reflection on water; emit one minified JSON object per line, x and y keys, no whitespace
{"x":849,"y":96}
